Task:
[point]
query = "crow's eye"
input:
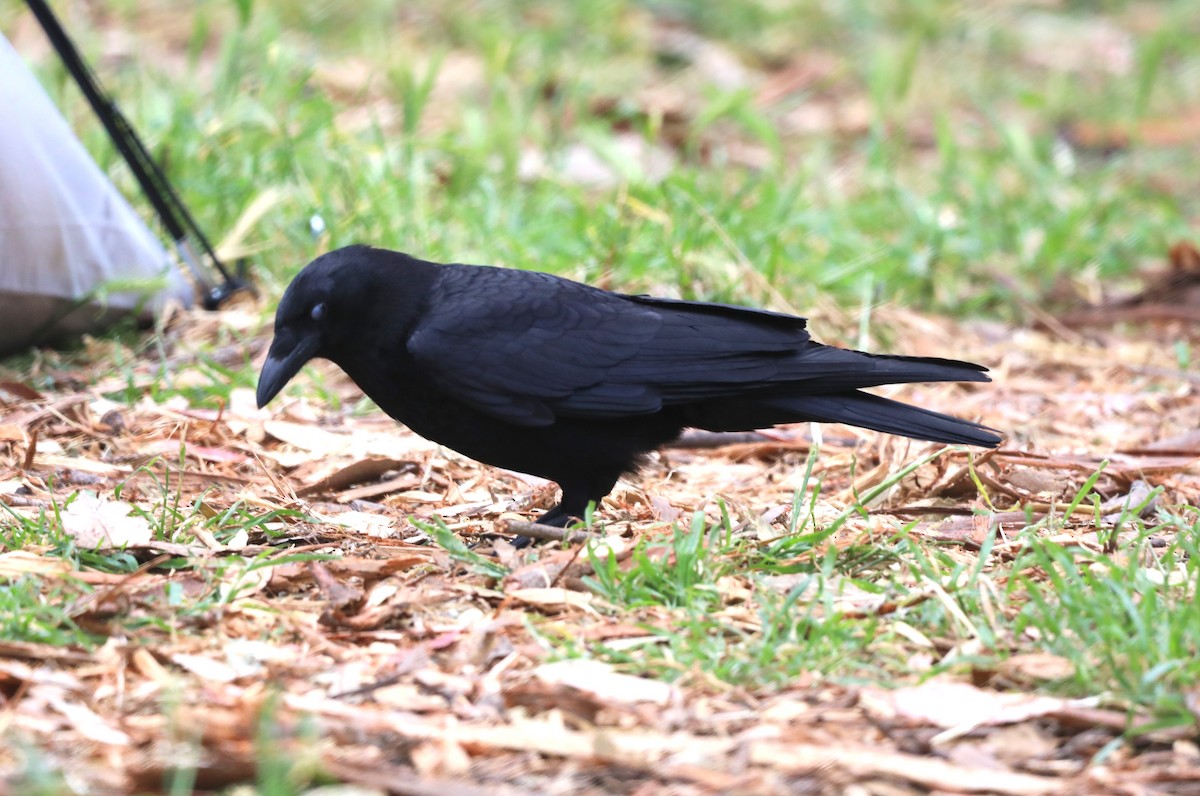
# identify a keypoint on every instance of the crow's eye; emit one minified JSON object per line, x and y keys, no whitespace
{"x":318,"y":312}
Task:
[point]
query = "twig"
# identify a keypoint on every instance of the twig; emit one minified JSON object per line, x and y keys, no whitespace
{"x":31,"y":450}
{"x":547,"y":533}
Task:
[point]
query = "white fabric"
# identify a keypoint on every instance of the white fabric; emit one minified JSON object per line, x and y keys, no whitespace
{"x":65,"y":230}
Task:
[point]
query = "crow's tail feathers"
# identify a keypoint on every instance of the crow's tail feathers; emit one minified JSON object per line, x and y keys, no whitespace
{"x":883,"y":414}
{"x":838,"y":370}
{"x":851,"y":407}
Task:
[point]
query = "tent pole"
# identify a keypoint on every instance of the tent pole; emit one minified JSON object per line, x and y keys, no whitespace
{"x":162,"y":196}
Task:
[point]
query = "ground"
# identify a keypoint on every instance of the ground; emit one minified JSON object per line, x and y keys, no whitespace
{"x":197,"y":595}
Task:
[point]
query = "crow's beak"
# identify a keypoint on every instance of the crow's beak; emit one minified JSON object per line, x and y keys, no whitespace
{"x":283,"y":362}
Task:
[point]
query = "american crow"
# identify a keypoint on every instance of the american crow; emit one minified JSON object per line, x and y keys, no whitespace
{"x":543,"y":375}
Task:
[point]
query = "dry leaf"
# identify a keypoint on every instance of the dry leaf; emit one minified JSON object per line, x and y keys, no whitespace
{"x":17,"y":563}
{"x":94,"y":522}
{"x":1017,"y":744}
{"x":206,"y":668}
{"x":553,"y":598}
{"x":1037,"y":667}
{"x":11,"y":433}
{"x":377,"y":525}
{"x":88,"y":723}
{"x":170,"y":448}
{"x":307,"y":437}
{"x":959,"y":707}
{"x":359,"y":472}
{"x":19,"y":390}
{"x":930,"y":773}
{"x":605,"y":683}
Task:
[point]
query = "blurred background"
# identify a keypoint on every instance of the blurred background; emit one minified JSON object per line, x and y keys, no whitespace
{"x":965,"y":158}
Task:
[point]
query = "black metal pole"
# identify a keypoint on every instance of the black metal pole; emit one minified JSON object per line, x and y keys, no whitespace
{"x":165,"y":201}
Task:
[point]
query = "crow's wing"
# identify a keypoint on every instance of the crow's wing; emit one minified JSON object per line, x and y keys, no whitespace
{"x":527,"y":347}
{"x":515,"y":344}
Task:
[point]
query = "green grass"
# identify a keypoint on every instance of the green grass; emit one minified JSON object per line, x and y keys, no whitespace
{"x":47,"y":610}
{"x":1126,"y":622}
{"x":1129,"y":623}
{"x":954,"y":196}
{"x":31,"y":612}
{"x":980,"y":217}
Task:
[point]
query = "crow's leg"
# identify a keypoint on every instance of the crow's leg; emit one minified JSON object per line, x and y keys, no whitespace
{"x":558,"y":516}
{"x":575,"y":500}
{"x":572,"y":507}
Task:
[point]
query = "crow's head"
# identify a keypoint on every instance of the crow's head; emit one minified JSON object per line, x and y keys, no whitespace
{"x":320,"y":306}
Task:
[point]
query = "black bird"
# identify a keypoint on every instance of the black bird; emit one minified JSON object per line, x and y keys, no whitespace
{"x":542,"y":375}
